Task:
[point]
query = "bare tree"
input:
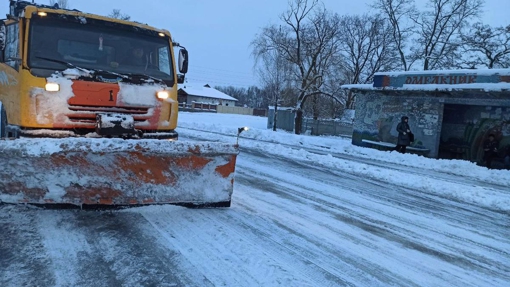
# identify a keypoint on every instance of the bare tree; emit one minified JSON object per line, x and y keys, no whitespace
{"x":334,"y":78}
{"x":399,"y":14}
{"x":274,"y":74}
{"x":252,"y":96}
{"x":367,"y":48}
{"x":439,"y":31}
{"x":487,"y":46}
{"x":307,"y":40}
{"x":118,"y":15}
{"x":324,"y":105}
{"x":63,"y":4}
{"x":255,"y":98}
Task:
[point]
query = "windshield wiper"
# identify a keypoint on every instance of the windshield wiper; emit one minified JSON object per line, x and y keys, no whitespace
{"x":89,"y":71}
{"x":127,"y":76}
{"x":133,"y":75}
{"x":69,"y":65}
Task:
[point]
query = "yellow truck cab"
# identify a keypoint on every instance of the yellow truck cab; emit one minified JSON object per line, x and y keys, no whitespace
{"x":65,"y":73}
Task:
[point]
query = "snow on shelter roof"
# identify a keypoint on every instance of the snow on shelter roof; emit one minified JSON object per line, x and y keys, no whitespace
{"x":205,"y":91}
{"x":440,"y":80}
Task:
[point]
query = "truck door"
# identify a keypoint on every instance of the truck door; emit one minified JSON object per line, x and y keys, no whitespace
{"x":9,"y":70}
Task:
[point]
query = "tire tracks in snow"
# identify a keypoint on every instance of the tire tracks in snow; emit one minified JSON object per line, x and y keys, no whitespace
{"x":395,"y":232}
{"x":463,"y":215}
{"x":22,"y":260}
{"x":124,"y":252}
{"x":241,"y":252}
{"x":87,"y":248}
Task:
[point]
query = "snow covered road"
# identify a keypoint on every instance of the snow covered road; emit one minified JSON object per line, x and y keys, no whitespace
{"x":300,"y":216}
{"x":291,"y":224}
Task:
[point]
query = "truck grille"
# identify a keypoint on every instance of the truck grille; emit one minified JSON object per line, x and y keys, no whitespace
{"x":87,"y":114}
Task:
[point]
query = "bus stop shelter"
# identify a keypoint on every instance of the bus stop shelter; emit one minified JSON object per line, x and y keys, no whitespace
{"x":451,"y":112}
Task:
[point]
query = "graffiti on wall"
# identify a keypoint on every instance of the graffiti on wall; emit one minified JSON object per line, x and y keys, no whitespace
{"x":377,"y":118}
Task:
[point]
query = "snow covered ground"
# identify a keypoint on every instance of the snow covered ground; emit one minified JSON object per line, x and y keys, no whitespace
{"x":306,"y":211}
{"x":227,"y":124}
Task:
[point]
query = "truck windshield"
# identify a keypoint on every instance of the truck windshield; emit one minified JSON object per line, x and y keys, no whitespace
{"x":97,"y":47}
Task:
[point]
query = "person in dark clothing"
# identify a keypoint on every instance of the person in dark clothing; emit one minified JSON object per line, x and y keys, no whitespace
{"x":490,"y":150}
{"x":135,"y":57}
{"x":506,"y":157}
{"x":404,"y":137}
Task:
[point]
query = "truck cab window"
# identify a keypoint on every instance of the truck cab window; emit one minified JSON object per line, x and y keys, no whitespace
{"x":97,"y":47}
{"x":164,"y":60}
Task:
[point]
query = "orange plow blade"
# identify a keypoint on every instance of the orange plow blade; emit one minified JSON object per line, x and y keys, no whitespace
{"x":116,"y":172}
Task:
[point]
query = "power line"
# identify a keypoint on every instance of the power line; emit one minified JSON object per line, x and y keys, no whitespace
{"x":221,"y":70}
{"x":220,"y":82}
{"x":201,"y":71}
{"x":221,"y":78}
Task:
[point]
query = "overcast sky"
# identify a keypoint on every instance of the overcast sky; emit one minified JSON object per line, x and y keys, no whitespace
{"x":218,"y":33}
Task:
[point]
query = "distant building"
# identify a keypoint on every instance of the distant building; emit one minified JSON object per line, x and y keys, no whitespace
{"x":450,"y":112}
{"x":189,"y":94}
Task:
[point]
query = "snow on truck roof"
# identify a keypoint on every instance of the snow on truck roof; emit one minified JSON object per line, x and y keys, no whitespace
{"x":439,"y":80}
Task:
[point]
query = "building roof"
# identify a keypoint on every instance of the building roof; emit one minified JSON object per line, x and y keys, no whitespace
{"x":440,"y":80}
{"x":205,"y":91}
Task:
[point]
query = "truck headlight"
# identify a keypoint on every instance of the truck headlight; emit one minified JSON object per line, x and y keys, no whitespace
{"x":52,"y":87}
{"x":163,"y":95}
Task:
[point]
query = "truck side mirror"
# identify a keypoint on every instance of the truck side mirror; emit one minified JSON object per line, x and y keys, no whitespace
{"x":183,"y":61}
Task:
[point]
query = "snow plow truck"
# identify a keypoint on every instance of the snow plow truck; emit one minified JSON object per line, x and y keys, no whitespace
{"x":88,"y":115}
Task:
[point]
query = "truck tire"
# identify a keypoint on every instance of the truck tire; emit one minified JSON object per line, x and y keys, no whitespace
{"x":3,"y":122}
